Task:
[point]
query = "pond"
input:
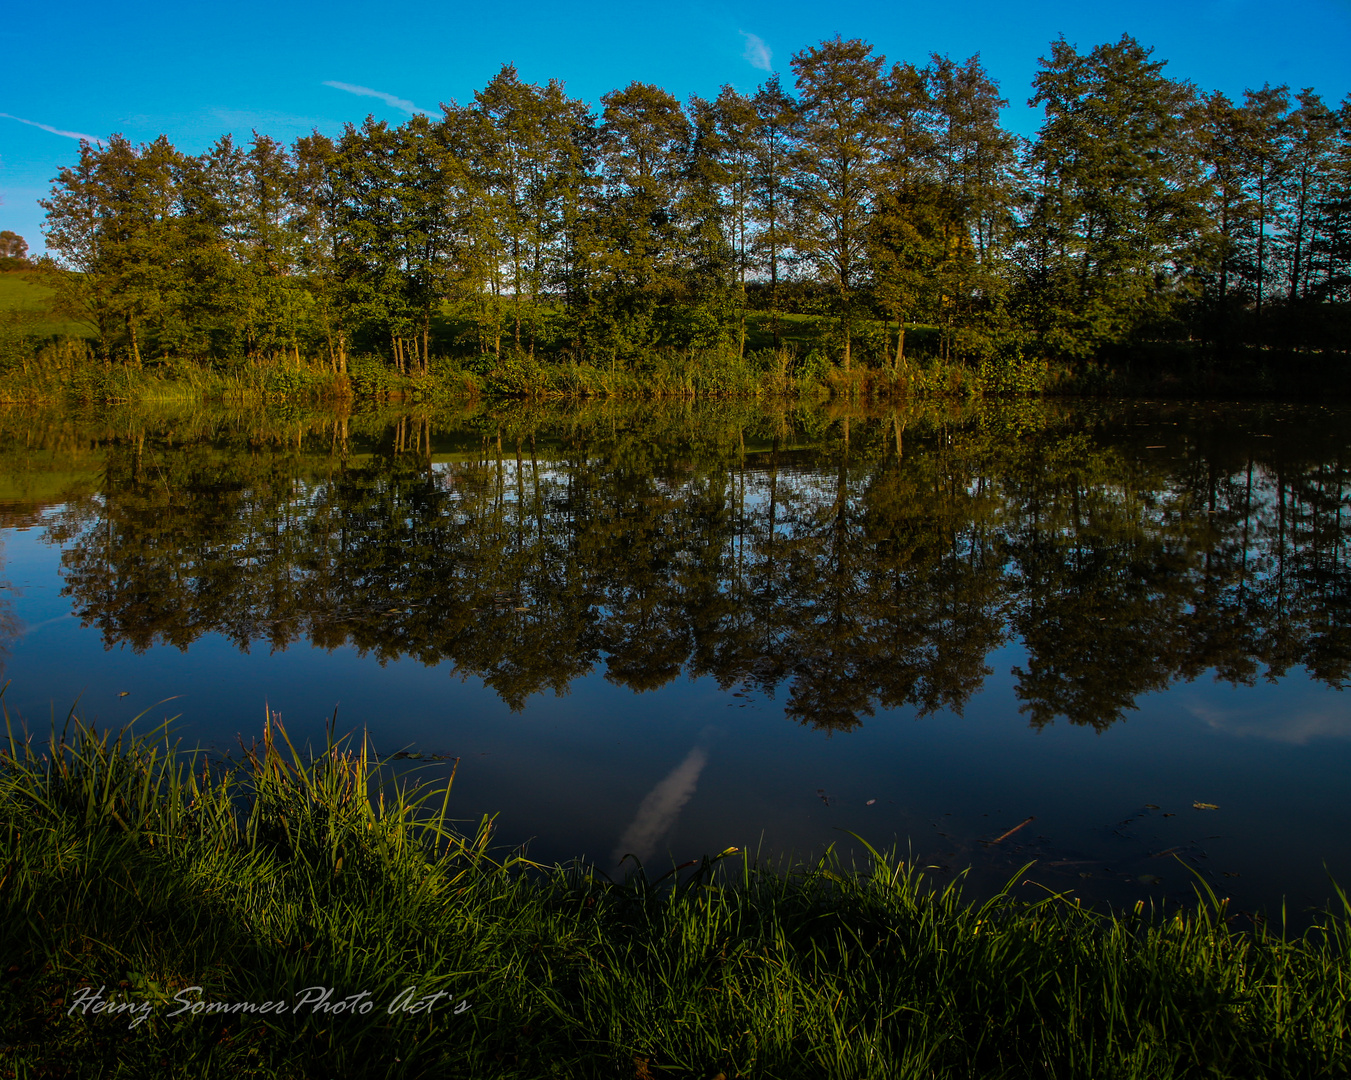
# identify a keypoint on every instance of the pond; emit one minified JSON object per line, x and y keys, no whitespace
{"x":1109,"y":639}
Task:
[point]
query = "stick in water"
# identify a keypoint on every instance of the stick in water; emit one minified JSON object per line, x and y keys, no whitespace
{"x":1011,"y":831}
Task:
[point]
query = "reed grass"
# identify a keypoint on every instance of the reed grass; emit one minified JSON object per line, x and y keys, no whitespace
{"x":67,"y":369}
{"x":130,"y":865}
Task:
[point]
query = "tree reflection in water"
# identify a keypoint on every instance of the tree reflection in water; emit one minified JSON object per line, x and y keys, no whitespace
{"x":843,"y":560}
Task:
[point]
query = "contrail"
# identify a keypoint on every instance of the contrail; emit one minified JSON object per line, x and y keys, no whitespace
{"x":389,"y":99}
{"x":55,"y":130}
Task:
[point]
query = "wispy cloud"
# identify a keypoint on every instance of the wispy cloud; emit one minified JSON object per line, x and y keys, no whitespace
{"x":660,"y":809}
{"x":1296,"y":726}
{"x":253,"y":118}
{"x":757,"y":53}
{"x":389,"y":99}
{"x":54,"y":130}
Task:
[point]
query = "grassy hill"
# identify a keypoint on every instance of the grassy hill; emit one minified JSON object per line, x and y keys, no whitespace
{"x":24,"y":291}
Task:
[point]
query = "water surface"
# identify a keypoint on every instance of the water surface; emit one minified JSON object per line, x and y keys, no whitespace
{"x":667,"y":629}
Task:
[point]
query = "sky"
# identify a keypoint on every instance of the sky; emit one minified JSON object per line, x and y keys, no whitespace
{"x":196,"y":71}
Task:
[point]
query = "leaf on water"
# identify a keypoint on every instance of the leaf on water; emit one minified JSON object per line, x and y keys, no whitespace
{"x":1204,"y":806}
{"x":1150,"y":806}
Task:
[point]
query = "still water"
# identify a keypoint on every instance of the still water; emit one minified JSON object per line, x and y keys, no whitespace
{"x":1123,"y":628}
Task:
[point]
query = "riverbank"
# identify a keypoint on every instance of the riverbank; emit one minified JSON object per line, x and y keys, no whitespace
{"x":191,"y":893}
{"x":62,"y":372}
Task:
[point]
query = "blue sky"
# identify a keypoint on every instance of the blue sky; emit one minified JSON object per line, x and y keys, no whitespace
{"x":195,"y":71}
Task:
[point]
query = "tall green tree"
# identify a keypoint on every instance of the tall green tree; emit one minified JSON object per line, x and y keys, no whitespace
{"x":841,"y":96}
{"x":1218,"y":148}
{"x":110,"y":219}
{"x":772,"y":185}
{"x":1261,"y":136}
{"x":737,"y":124}
{"x":975,"y":161}
{"x":1331,"y":245}
{"x":644,"y":139}
{"x":321,"y":241}
{"x":1115,"y":216}
{"x":1312,"y":136}
{"x":531,"y":172}
{"x":372,"y":223}
{"x":906,"y":244}
{"x":275,"y":305}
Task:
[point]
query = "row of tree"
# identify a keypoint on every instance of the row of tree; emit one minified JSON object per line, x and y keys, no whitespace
{"x":524,"y":222}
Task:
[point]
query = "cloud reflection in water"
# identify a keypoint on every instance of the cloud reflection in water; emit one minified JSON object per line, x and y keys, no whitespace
{"x":660,"y":808}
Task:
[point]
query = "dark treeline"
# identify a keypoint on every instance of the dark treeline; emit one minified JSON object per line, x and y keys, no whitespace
{"x":840,"y":563}
{"x":1147,"y":220}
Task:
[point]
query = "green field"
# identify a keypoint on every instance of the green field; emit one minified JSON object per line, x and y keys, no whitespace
{"x":23,"y":291}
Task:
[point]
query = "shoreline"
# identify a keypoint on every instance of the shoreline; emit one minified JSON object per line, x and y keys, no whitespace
{"x":141,"y":877}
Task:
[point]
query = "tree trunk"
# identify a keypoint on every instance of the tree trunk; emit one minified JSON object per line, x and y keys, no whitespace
{"x":848,"y":339}
{"x":135,"y":346}
{"x":774,"y":280}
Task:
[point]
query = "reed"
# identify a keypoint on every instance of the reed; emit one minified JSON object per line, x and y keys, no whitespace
{"x":130,"y":865}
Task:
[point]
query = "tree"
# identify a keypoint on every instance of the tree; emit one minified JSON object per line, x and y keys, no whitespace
{"x":906,"y":245}
{"x":110,"y":219}
{"x":1331,"y":244}
{"x":318,"y":226}
{"x":736,"y":122}
{"x":212,"y":294}
{"x":1261,"y":138}
{"x":13,"y":251}
{"x":1312,"y":136}
{"x":1115,"y":216}
{"x":771,"y":190}
{"x":644,"y":138}
{"x":374,"y":256}
{"x":530,"y":171}
{"x":975,"y":161}
{"x":711,"y":200}
{"x":1218,"y":150}
{"x":841,"y":95}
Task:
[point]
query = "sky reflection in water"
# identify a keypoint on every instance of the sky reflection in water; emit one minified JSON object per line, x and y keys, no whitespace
{"x":667,"y":630}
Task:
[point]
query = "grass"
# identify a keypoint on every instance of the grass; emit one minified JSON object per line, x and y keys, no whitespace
{"x":65,"y":371}
{"x":155,"y":878}
{"x":24,"y":293}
